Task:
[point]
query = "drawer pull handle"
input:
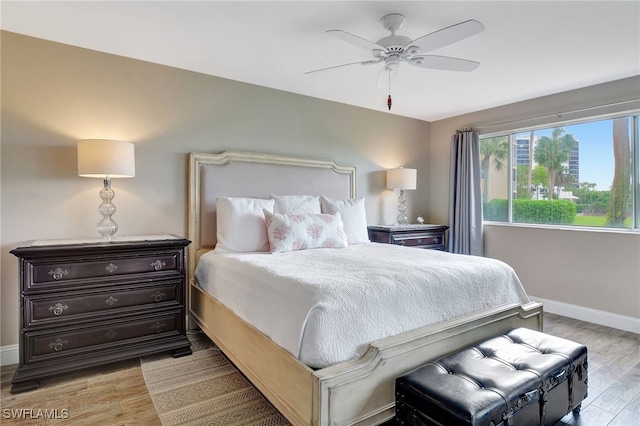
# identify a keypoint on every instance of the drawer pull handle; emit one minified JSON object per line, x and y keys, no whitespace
{"x":58,"y":273}
{"x":157,"y":327}
{"x":111,"y":300}
{"x":157,"y":296}
{"x":158,"y":265}
{"x":111,"y":268}
{"x":436,"y":240}
{"x":58,"y":344}
{"x":420,"y":241}
{"x":111,"y":334}
{"x":58,"y":308}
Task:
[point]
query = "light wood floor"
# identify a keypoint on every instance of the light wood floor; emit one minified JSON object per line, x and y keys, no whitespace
{"x":614,"y":372}
{"x":117,"y":394}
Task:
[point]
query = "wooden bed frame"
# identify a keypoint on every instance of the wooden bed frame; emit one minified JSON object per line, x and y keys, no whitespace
{"x":358,"y":392}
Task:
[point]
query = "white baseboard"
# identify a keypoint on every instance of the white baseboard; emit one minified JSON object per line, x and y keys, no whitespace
{"x":9,"y":355}
{"x":609,"y":319}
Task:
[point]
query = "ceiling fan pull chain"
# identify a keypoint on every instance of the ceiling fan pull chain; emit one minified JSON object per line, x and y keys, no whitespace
{"x":389,"y":98}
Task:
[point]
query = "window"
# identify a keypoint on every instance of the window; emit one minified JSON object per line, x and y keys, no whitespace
{"x":583,"y":174}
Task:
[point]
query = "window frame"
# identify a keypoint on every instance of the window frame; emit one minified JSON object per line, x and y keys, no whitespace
{"x":512,"y":134}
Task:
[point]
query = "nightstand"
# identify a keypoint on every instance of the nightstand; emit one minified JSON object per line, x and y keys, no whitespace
{"x":89,"y":302}
{"x":421,"y":236}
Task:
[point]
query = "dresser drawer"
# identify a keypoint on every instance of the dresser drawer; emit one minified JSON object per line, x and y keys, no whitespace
{"x":84,"y":305}
{"x":419,"y":240}
{"x":63,"y":273}
{"x":79,"y":341}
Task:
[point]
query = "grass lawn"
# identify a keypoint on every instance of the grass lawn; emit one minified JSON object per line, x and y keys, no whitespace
{"x":590,"y":220}
{"x":596,"y":221}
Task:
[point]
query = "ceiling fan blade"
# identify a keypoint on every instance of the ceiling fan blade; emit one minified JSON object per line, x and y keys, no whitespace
{"x":443,"y":63}
{"x":346,"y":65}
{"x":354,"y":39}
{"x":447,"y":35}
{"x":386,"y":76}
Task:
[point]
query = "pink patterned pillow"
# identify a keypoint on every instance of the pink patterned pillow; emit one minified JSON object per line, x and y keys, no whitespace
{"x":290,"y":232}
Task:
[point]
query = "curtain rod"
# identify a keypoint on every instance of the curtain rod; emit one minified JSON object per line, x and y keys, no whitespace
{"x":558,"y":114}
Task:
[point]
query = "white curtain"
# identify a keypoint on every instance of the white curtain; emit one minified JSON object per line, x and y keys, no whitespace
{"x":465,"y":197}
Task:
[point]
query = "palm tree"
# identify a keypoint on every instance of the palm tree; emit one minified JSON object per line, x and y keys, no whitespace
{"x":552,"y":153}
{"x":621,"y":186}
{"x":565,"y":179}
{"x":496,"y":149}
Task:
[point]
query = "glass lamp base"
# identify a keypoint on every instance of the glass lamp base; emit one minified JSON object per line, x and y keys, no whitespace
{"x":107,"y":227}
{"x":402,"y":219}
{"x":402,"y":208}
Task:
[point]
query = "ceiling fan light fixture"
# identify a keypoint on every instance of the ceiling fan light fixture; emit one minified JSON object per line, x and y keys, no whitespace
{"x":392,"y":61}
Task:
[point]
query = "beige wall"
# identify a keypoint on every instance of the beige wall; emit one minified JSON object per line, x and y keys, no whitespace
{"x":593,"y":269}
{"x":53,"y":95}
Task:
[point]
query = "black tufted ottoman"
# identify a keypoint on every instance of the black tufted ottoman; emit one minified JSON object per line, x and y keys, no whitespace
{"x":522,"y":378}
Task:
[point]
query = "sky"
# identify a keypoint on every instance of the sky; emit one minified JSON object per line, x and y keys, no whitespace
{"x":596,"y":151}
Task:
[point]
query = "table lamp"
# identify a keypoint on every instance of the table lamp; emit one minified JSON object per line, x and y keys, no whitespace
{"x":106,"y":159}
{"x":402,"y":179}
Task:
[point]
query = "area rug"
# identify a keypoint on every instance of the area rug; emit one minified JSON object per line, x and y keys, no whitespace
{"x":205,"y":388}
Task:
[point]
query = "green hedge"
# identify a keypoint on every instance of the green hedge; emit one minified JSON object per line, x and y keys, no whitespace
{"x":532,"y":211}
{"x":496,"y":210}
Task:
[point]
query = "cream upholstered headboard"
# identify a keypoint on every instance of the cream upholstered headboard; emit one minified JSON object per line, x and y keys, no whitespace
{"x":243,"y":174}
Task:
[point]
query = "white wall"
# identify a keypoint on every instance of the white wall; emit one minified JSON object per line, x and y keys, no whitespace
{"x":595,"y":270}
{"x":54,"y":95}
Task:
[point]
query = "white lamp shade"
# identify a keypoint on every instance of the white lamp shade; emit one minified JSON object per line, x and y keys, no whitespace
{"x":402,"y":178}
{"x":102,"y":158}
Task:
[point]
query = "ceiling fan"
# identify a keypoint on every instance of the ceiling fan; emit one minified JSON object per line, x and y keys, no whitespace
{"x":396,"y":49}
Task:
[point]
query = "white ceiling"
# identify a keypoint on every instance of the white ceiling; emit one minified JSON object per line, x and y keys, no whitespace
{"x":528,"y":49}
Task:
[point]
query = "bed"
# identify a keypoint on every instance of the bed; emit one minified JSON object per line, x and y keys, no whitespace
{"x":358,"y":390}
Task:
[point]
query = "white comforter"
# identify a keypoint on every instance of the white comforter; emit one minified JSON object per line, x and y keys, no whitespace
{"x":326,"y":305}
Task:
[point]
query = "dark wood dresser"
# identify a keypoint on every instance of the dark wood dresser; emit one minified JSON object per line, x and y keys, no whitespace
{"x":421,"y":236}
{"x":84,"y":304}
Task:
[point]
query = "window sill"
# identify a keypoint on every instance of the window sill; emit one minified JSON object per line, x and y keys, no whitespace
{"x":627,"y":231}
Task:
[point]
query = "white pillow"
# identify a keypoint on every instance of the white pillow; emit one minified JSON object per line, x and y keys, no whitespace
{"x":241,"y":225}
{"x":291,"y":232}
{"x":296,"y":204}
{"x":354,"y":217}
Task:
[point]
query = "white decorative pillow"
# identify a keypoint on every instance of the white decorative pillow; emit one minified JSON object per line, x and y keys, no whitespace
{"x":354,"y":217}
{"x":241,"y":225}
{"x":291,"y":232}
{"x":296,"y":204}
